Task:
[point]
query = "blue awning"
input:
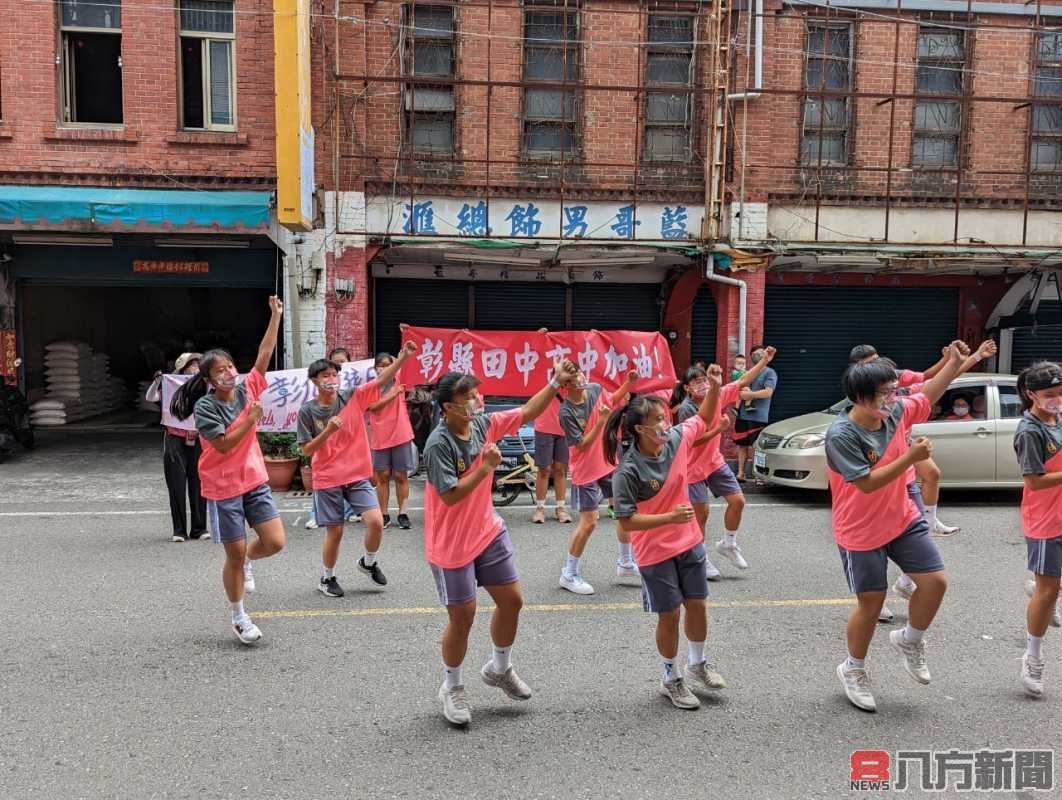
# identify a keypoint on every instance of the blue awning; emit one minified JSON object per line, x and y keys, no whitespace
{"x":85,"y":208}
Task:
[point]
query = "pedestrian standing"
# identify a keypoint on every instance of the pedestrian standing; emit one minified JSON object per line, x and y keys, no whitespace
{"x":391,"y":437}
{"x":755,"y":410}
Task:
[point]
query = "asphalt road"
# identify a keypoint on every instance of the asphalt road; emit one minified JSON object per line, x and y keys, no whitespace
{"x":120,"y":677}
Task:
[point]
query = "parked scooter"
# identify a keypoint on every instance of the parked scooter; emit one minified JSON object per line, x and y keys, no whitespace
{"x":15,"y":425}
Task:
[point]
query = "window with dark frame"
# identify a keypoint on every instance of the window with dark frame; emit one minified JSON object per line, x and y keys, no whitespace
{"x":825,"y":119}
{"x":669,"y":66}
{"x":938,"y":123}
{"x":428,"y":52}
{"x":551,"y":53}
{"x":208,"y":79}
{"x":90,"y":61}
{"x":1046,"y":146}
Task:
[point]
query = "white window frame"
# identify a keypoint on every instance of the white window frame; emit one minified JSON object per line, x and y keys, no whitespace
{"x":205,"y":38}
{"x":67,"y":79}
{"x":1034,"y":135}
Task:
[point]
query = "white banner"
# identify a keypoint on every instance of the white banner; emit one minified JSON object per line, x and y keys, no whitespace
{"x":287,"y":390}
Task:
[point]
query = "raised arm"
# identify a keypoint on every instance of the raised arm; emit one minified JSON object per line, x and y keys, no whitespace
{"x":564,"y":374}
{"x":935,"y":387}
{"x":625,"y":388}
{"x":388,"y":373}
{"x":269,"y":341}
{"x":750,"y":375}
{"x":986,"y":350}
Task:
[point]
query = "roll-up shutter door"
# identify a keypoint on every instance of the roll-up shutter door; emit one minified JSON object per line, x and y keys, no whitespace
{"x":815,"y":327}
{"x":428,"y":303}
{"x":617,"y":306}
{"x":1039,"y":342}
{"x":702,"y":335}
{"x":519,"y":306}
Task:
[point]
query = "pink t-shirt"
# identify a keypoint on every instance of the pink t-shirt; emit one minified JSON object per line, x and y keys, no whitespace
{"x":706,"y":457}
{"x":864,"y":521}
{"x":646,"y":485}
{"x":345,"y":456}
{"x":454,"y":536}
{"x":1039,"y":450}
{"x":908,"y":378}
{"x":389,"y":427}
{"x":549,"y":420}
{"x":231,"y":474}
{"x":589,"y":465}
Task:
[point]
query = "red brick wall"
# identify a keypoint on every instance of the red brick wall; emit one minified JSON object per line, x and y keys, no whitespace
{"x":150,"y":150}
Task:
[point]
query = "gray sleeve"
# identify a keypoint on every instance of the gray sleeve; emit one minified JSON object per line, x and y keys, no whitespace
{"x":1029,"y":447}
{"x":208,"y":419}
{"x":624,"y":493}
{"x":684,"y":411}
{"x":845,"y":456}
{"x":770,"y":379}
{"x":440,"y":468}
{"x":305,"y":429}
{"x":572,"y":429}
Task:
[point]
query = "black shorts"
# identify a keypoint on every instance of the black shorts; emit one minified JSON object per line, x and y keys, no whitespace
{"x":747,"y":431}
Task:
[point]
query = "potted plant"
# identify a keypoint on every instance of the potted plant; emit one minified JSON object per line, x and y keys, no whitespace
{"x":281,"y":454}
{"x":305,"y":472}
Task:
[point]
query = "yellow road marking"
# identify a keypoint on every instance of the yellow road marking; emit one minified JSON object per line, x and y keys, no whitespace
{"x":543,"y":607}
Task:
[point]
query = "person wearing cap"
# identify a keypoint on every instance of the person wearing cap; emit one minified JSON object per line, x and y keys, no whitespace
{"x":180,"y":462}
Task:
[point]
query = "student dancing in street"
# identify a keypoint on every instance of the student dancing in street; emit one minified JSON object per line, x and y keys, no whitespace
{"x":650,"y":487}
{"x":1038,"y":444}
{"x":331,"y":430}
{"x":875,"y":519}
{"x":391,"y":437}
{"x":583,"y":415}
{"x":465,"y":542}
{"x":232,"y":471}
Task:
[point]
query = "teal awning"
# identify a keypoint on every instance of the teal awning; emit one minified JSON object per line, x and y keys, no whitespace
{"x":85,"y":208}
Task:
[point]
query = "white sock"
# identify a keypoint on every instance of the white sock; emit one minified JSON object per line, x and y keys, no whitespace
{"x":931,"y":515}
{"x":696,"y":653}
{"x":540,"y":503}
{"x":912,"y":635}
{"x":369,"y":558}
{"x":452,"y":676}
{"x":906,"y":582}
{"x":730,"y":538}
{"x":327,"y":573}
{"x":626,"y":553}
{"x":854,"y":663}
{"x":500,"y":661}
{"x":237,"y":610}
{"x":247,"y":568}
{"x":571,"y":567}
{"x":670,"y":670}
{"x":1032,"y":645}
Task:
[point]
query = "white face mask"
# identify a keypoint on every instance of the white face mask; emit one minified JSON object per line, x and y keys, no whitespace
{"x":226,"y":381}
{"x":961,"y":411}
{"x":659,"y":432}
{"x":1052,"y":405}
{"x":329,"y":386}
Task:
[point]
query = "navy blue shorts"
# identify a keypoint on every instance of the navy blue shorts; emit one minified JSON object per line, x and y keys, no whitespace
{"x":229,"y":518}
{"x":550,"y":449}
{"x":332,"y":506}
{"x":667,"y":584}
{"x":589,"y":496}
{"x":1045,"y":556}
{"x":914,"y":491}
{"x":495,"y":566}
{"x":394,"y":459}
{"x":913,"y":551}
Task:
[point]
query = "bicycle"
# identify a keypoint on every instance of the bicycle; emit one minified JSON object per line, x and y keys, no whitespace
{"x":516,"y":481}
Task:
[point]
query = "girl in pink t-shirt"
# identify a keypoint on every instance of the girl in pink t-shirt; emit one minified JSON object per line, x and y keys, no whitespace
{"x":391,"y":437}
{"x":1038,"y":445}
{"x":650,"y":486}
{"x":231,"y":469}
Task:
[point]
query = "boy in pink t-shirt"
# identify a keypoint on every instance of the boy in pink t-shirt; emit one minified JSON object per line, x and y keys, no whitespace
{"x":465,"y":541}
{"x":653,"y":507}
{"x":874,"y":517}
{"x":583,"y":415}
{"x":1038,"y":445}
{"x":391,"y":438}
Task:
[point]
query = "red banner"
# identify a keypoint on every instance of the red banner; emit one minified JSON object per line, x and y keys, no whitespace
{"x":518,"y":363}
{"x":7,"y":353}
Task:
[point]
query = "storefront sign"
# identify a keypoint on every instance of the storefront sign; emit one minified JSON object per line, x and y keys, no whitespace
{"x":518,"y":363}
{"x":7,"y":353}
{"x":288,"y":390}
{"x":172,"y":267}
{"x":480,"y":218}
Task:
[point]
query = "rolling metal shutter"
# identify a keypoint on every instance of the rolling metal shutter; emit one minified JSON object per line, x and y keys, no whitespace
{"x":702,"y":334}
{"x":617,"y":306}
{"x":815,"y":327}
{"x":1039,"y":342}
{"x":519,"y":306}
{"x":430,"y":303}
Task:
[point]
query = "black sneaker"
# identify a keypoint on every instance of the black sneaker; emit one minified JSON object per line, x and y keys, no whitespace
{"x":387,"y":520}
{"x":373,"y":572}
{"x":403,"y":522}
{"x":330,"y":587}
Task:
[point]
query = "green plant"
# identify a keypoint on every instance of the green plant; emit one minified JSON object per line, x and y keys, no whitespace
{"x":279,"y":445}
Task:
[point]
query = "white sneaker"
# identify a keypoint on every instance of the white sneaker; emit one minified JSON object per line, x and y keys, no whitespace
{"x":856,"y":683}
{"x":885,"y":615}
{"x":455,"y":705}
{"x":1056,"y":617}
{"x":627,"y":571}
{"x":246,"y":631}
{"x":575,"y":584}
{"x":733,"y":552}
{"x":713,"y":571}
{"x":1032,"y":675}
{"x":248,"y":576}
{"x":679,"y":694}
{"x":508,"y":681}
{"x":704,"y":676}
{"x":311,"y":524}
{"x":940,"y":529}
{"x":914,"y":656}
{"x":901,"y":589}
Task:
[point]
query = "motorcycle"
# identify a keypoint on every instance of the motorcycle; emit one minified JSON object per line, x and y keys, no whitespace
{"x":15,"y":425}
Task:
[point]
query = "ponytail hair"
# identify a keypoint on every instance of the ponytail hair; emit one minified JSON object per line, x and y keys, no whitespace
{"x":678,"y":397}
{"x":185,"y":398}
{"x":1038,"y":376}
{"x":624,"y":419}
